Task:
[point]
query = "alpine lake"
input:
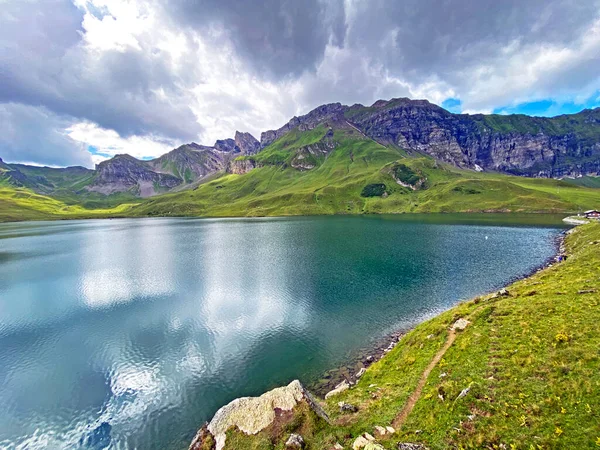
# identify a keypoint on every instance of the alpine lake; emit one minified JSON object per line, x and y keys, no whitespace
{"x":130,"y":333}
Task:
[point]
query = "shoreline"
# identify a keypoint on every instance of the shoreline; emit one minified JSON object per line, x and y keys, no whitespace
{"x":116,"y":216}
{"x":364,"y":357}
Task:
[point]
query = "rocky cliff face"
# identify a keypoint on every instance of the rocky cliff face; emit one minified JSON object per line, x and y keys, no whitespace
{"x":124,"y":173}
{"x":531,"y":146}
{"x":241,"y":166}
{"x":247,"y":143}
{"x":518,"y":144}
{"x":190,"y":162}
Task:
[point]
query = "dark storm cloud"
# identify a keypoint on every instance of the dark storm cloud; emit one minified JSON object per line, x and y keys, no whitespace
{"x":277,"y":38}
{"x":432,"y":37}
{"x":412,"y":38}
{"x":43,"y":63}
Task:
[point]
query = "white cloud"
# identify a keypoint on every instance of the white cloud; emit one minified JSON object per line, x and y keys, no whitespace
{"x":526,"y":72}
{"x":114,"y":31}
{"x":109,"y":143}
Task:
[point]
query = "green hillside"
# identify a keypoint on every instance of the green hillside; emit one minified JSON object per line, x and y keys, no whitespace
{"x":591,"y":182}
{"x":320,"y":171}
{"x":335,"y":185}
{"x":23,"y":204}
{"x":523,"y":374}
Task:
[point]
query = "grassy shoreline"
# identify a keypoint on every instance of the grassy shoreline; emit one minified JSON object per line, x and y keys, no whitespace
{"x":378,"y":348}
{"x":528,"y":362}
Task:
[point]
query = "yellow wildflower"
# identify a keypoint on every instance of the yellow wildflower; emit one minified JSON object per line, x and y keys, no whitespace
{"x":523,"y":420}
{"x":558,"y":431}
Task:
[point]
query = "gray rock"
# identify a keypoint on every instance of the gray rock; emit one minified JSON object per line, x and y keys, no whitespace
{"x":343,"y":386}
{"x":347,"y":407}
{"x":411,"y":446}
{"x":253,"y":414}
{"x":463,"y":393}
{"x":295,"y":441}
{"x":460,"y":324}
{"x":247,"y":143}
{"x":374,"y":446}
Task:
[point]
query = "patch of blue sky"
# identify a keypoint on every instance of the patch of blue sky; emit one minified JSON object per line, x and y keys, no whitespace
{"x":550,"y":107}
{"x":454,"y":105}
{"x":94,"y":151}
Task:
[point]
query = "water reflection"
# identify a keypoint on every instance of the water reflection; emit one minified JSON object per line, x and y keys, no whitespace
{"x":139,"y":264}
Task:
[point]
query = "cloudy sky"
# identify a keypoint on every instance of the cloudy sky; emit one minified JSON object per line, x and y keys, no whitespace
{"x":81,"y":80}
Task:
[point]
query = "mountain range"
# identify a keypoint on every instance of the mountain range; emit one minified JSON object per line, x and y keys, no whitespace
{"x":348,"y":152}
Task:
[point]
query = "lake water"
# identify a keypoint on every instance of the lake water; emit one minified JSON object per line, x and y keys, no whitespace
{"x":131,"y":333}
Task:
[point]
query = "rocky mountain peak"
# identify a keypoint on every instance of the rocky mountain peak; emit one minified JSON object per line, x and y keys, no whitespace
{"x":227,"y":146}
{"x":247,"y":143}
{"x":306,"y":122}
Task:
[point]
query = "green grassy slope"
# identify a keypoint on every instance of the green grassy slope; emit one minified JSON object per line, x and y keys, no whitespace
{"x":591,"y":182}
{"x":530,"y":360}
{"x":23,"y":204}
{"x":64,"y":184}
{"x":335,"y":186}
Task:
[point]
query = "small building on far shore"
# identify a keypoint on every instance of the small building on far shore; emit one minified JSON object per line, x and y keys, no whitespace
{"x":592,"y":214}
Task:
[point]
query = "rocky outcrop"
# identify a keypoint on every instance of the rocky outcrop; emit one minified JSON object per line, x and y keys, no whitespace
{"x":184,"y":165}
{"x":307,"y":157}
{"x":124,"y":173}
{"x":518,"y":144}
{"x":190,"y":162}
{"x":226,"y":146}
{"x":243,"y":143}
{"x":253,"y":414}
{"x":241,"y":166}
{"x":247,"y":143}
{"x":332,"y":111}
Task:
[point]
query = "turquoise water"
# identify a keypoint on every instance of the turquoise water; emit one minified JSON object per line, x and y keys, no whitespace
{"x":131,"y":333}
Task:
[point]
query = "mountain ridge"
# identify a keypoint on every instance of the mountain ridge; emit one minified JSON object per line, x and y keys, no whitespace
{"x":556,"y":147}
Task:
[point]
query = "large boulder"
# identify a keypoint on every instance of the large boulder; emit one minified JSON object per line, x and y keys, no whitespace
{"x":253,"y":414}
